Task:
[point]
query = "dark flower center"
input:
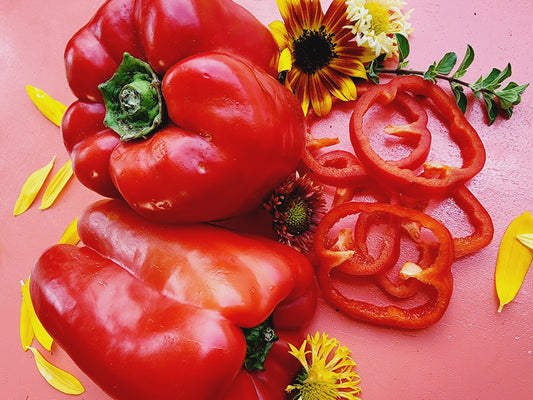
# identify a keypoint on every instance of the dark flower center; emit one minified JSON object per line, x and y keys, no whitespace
{"x":314,"y":50}
{"x":298,"y":218}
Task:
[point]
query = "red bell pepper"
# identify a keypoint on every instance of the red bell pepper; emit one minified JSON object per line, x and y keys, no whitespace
{"x":163,"y":33}
{"x":431,"y":271}
{"x":154,"y":311}
{"x":403,"y":179}
{"x":183,"y":127}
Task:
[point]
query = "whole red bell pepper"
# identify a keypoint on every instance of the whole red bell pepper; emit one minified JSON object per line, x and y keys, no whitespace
{"x":153,"y":311}
{"x":178,"y":111}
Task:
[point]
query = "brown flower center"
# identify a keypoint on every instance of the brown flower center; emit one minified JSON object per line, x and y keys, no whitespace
{"x":314,"y":50}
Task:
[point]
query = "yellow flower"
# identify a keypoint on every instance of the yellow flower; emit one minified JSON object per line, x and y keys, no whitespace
{"x":374,"y":23}
{"x":328,"y":370}
{"x":324,"y":56}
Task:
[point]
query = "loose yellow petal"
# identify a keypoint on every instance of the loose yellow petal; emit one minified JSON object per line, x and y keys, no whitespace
{"x":51,"y":108}
{"x":70,"y":236}
{"x":26,"y":330}
{"x":59,"y":379}
{"x":526,"y":239}
{"x":31,"y":188}
{"x":40,"y":333}
{"x":513,"y":260}
{"x":56,"y":185}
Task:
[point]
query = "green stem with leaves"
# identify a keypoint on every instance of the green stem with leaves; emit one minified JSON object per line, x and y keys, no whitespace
{"x":486,"y":88}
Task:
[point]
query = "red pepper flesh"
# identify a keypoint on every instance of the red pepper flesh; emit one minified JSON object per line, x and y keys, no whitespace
{"x":228,"y":115}
{"x":156,"y":311}
{"x":436,"y":275}
{"x":405,"y":180}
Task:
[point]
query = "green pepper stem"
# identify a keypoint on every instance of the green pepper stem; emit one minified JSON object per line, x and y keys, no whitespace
{"x":259,"y":340}
{"x":133,"y":99}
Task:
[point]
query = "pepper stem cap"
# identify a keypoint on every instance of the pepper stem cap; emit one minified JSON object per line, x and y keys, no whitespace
{"x":133,"y":99}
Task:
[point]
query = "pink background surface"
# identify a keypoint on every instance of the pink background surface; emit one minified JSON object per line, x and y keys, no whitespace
{"x":472,"y":353}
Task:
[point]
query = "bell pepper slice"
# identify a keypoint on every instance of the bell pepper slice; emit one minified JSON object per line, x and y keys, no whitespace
{"x":436,"y":275}
{"x":341,"y":168}
{"x":159,"y":311}
{"x":350,"y":251}
{"x":478,"y":217}
{"x":405,"y":180}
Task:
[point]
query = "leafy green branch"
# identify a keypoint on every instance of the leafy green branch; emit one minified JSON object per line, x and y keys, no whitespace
{"x":489,"y":87}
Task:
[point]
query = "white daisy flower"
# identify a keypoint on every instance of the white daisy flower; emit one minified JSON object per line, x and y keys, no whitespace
{"x":376,"y":21}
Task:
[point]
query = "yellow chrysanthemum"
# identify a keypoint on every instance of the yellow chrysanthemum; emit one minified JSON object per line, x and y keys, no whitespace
{"x":324,"y":56}
{"x":374,"y":23}
{"x":328,"y":370}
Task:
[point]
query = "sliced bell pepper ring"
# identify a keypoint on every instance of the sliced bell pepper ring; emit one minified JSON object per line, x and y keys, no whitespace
{"x":341,"y":168}
{"x":405,"y":180}
{"x":338,"y":168}
{"x":154,"y":311}
{"x":396,"y":285}
{"x":415,"y":132}
{"x":478,"y":217}
{"x":351,"y":247}
{"x":436,"y":275}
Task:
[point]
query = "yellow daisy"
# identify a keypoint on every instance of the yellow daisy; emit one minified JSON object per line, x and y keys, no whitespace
{"x":327,"y":370}
{"x":323,"y":55}
{"x":374,"y":23}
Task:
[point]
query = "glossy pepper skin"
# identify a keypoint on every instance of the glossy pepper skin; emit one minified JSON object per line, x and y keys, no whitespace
{"x":230,"y":132}
{"x":163,"y":33}
{"x":155,"y":311}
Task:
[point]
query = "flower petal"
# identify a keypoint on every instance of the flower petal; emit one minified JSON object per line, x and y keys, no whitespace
{"x":352,"y":68}
{"x":320,"y":97}
{"x":340,"y":86}
{"x":56,"y":185}
{"x":31,"y":188}
{"x":336,"y":17}
{"x":279,"y":32}
{"x":526,"y":239}
{"x":59,"y":379}
{"x":26,"y":331}
{"x":285,"y":61}
{"x":299,"y":82}
{"x":514,"y":259}
{"x":71,"y":236}
{"x":40,"y":333}
{"x":51,"y":108}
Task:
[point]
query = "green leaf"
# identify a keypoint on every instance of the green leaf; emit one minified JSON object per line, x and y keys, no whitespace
{"x":460,"y":97}
{"x":446,"y":63}
{"x":492,"y":107}
{"x":467,"y":61}
{"x":403,"y":64}
{"x":374,"y":68}
{"x":511,"y":95}
{"x":431,"y":73}
{"x":493,"y":80}
{"x":403,"y":47}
